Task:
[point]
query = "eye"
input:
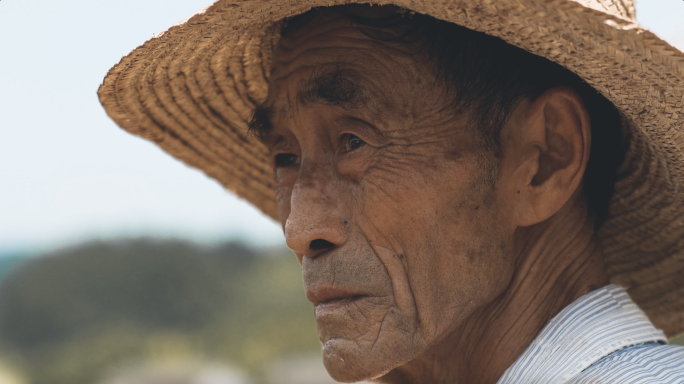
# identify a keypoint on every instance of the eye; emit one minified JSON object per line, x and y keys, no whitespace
{"x":285,"y":159}
{"x":353,"y":142}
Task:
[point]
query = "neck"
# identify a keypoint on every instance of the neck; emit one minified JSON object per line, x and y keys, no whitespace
{"x":557,"y":262}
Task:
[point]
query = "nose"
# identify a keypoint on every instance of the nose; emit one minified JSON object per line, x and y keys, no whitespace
{"x":316,"y":222}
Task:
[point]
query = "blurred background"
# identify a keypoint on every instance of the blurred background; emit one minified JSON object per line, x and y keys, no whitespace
{"x":119,"y":264}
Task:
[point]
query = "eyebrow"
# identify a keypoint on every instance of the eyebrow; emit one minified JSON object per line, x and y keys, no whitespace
{"x":261,"y":124}
{"x":331,"y":87}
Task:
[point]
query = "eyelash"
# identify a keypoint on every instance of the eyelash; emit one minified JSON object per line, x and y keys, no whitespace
{"x":287,"y":159}
{"x":347,"y":138}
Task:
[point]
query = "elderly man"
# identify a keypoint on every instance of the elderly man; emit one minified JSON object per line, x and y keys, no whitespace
{"x":460,"y":180}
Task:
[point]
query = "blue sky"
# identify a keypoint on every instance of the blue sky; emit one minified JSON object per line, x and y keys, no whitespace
{"x":68,"y":174}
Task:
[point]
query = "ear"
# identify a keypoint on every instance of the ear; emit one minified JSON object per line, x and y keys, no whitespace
{"x":548,"y":141}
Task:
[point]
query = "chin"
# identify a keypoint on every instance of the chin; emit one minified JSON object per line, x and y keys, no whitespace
{"x":348,"y":361}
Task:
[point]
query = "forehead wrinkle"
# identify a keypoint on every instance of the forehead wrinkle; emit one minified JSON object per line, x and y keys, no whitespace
{"x":346,"y":84}
{"x":367,"y":70}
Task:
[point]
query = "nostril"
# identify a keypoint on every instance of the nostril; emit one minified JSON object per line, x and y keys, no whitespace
{"x":320,"y":244}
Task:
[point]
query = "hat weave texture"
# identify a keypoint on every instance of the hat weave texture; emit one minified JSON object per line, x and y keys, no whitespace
{"x":192,"y":91}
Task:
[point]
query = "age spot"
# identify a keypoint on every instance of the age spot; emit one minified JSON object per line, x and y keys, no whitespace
{"x":453,"y":154}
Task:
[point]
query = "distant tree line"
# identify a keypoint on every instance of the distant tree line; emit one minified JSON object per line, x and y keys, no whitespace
{"x":70,"y":316}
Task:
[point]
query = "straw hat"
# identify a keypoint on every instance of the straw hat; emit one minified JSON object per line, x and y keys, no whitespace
{"x":192,"y":90}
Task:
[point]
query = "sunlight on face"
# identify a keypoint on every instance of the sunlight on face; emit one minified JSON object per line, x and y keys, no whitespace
{"x":383,"y":197}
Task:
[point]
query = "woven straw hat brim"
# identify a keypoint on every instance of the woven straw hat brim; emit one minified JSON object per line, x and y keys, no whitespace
{"x":192,"y":91}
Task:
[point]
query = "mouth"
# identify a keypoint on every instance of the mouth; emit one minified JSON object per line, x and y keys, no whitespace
{"x":329,"y":306}
{"x":328,"y":300}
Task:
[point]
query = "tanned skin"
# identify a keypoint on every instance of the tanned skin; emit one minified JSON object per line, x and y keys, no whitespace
{"x":427,"y":259}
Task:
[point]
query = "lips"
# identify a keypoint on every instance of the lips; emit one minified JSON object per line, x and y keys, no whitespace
{"x":328,"y":299}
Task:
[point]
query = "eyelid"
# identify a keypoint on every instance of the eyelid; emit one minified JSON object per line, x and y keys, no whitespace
{"x":283,"y":146}
{"x":346,"y":137}
{"x":364,"y":130}
{"x":285,"y":157}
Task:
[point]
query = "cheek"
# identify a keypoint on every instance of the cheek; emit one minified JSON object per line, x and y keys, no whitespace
{"x":355,"y":165}
{"x":455,"y":253}
{"x":463,"y":261}
{"x":464,"y":265}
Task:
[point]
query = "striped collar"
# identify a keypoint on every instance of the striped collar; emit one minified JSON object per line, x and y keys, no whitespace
{"x":596,"y":325}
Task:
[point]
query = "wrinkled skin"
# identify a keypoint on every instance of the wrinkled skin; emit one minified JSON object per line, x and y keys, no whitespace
{"x":407,"y":229}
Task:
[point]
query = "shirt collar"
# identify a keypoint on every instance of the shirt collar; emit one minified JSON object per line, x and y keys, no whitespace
{"x":596,"y":325}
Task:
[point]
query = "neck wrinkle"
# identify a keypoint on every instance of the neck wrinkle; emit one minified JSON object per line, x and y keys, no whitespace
{"x":558,"y":261}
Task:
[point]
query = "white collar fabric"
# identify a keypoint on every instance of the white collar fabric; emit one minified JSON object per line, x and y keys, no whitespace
{"x":595,"y":326}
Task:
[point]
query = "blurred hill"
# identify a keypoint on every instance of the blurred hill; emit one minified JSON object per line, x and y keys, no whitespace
{"x":74,"y":315}
{"x":8,"y":263}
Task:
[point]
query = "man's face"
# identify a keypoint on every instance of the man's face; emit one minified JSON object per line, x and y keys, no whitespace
{"x":386,"y":197}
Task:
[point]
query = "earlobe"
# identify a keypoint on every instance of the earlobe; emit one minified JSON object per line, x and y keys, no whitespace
{"x":555,"y":137}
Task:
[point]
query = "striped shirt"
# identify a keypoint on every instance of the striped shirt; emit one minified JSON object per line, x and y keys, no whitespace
{"x":602,"y":338}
